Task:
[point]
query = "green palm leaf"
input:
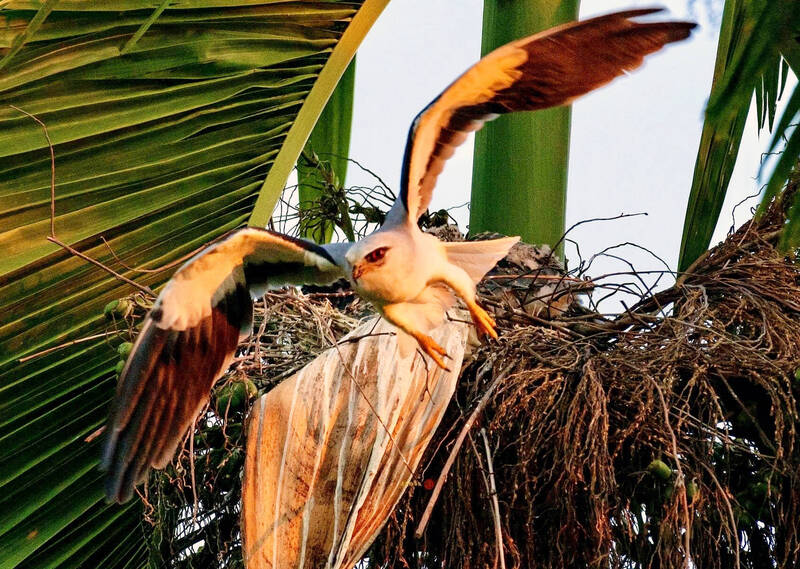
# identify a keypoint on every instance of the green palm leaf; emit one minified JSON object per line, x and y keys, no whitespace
{"x":166,"y":120}
{"x":757,"y":45}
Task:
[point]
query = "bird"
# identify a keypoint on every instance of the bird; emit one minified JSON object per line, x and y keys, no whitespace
{"x":190,"y":335}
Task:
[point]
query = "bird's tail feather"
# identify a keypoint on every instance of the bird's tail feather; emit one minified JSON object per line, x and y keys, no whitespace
{"x":478,"y":257}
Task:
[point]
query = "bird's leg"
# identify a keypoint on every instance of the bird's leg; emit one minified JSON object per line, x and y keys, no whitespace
{"x":430,"y":347}
{"x":395,"y":314}
{"x":484,"y":324}
{"x":458,"y":280}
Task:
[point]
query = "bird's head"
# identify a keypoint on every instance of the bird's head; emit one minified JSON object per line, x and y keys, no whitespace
{"x":369,"y":260}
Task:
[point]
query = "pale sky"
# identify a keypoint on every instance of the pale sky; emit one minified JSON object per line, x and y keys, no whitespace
{"x":634,"y":142}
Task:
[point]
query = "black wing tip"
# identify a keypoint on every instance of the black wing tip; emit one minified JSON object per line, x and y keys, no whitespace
{"x":640,"y":12}
{"x":116,"y":492}
{"x":686,"y":27}
{"x":119,"y":480}
{"x":677,"y":30}
{"x":117,"y":487}
{"x":114,"y":489}
{"x":636,"y":12}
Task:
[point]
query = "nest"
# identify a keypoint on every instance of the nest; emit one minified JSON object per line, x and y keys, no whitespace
{"x":668,"y":433}
{"x":638,"y":440}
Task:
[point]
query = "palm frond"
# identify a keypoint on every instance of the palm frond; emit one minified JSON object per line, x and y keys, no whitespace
{"x":165,"y":122}
{"x":753,"y":55}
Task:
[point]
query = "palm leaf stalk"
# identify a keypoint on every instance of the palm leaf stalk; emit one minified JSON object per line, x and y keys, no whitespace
{"x":165,"y":122}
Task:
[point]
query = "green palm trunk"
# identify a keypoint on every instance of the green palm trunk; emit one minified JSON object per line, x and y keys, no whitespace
{"x":330,"y":140}
{"x":519,"y":177}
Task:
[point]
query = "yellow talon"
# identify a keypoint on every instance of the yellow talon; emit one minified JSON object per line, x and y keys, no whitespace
{"x":484,"y":324}
{"x":434,"y":350}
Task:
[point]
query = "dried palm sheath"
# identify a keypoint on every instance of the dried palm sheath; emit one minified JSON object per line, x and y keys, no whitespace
{"x":323,"y":471}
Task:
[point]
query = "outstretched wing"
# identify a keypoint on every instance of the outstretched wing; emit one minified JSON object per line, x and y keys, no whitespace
{"x":548,"y":69}
{"x":188,"y":340}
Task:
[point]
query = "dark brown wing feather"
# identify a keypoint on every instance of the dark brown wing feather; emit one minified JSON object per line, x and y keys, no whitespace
{"x":164,"y":386}
{"x":548,"y":69}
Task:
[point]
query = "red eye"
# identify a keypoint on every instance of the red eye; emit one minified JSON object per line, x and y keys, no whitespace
{"x":376,"y":255}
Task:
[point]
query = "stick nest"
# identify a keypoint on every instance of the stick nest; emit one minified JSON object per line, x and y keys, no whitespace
{"x":667,"y":433}
{"x":636,"y":440}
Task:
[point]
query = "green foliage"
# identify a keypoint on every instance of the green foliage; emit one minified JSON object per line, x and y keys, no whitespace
{"x":757,"y":46}
{"x":330,"y":140}
{"x":306,"y":119}
{"x":512,"y":196}
{"x":165,"y":122}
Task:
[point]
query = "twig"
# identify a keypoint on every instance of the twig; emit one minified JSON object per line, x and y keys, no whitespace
{"x":191,"y":468}
{"x":681,"y":481}
{"x":423,"y":522}
{"x":691,"y":268}
{"x":559,"y":278}
{"x":52,"y":167}
{"x":592,"y":220}
{"x":94,"y":434}
{"x":144,"y":289}
{"x":364,"y":168}
{"x":480,"y":464}
{"x":52,"y":237}
{"x":162,"y":268}
{"x":498,"y":530}
{"x":724,"y":493}
{"x":65,"y":345}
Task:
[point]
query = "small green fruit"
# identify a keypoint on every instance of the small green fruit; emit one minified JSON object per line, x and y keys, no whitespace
{"x":659,"y":469}
{"x":124,"y":350}
{"x":692,"y":489}
{"x":234,"y":395}
{"x":120,"y":365}
{"x":110,"y":309}
{"x":797,"y":374}
{"x":117,"y":308}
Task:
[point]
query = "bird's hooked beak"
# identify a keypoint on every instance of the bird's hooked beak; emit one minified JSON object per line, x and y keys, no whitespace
{"x":358,"y":270}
